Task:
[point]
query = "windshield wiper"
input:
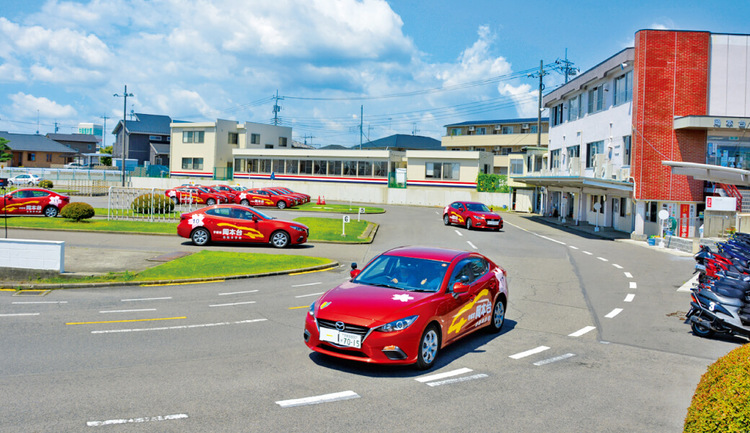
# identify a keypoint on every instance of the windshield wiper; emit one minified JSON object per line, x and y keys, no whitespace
{"x":385,"y":285}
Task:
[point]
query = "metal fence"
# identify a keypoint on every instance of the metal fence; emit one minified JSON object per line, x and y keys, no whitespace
{"x":124,"y":204}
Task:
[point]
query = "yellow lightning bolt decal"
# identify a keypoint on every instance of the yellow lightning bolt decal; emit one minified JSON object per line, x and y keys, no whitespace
{"x":13,"y":206}
{"x":246,"y":231}
{"x":456,"y":327}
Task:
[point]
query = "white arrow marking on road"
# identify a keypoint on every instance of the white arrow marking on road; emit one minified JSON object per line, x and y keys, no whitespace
{"x":327,"y":398}
{"x":613,"y":313}
{"x":529,"y":352}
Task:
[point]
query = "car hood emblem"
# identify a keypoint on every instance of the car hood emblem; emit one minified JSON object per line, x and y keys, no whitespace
{"x":340,"y":326}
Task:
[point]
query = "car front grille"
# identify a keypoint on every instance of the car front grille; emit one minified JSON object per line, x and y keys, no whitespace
{"x":353,"y":329}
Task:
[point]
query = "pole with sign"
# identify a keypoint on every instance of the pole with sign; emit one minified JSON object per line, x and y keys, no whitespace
{"x":361,"y":211}
{"x":344,"y":222}
{"x":663,"y":215}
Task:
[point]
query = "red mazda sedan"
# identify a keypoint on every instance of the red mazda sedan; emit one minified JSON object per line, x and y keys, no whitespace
{"x":33,"y":201}
{"x":471,"y":215}
{"x":406,"y":305}
{"x":237,"y":223}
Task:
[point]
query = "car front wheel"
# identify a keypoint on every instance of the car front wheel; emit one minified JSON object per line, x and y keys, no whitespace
{"x":279,"y":239}
{"x":200,"y":236}
{"x":428,"y":348}
{"x":446,"y":220}
{"x":468,"y":224}
{"x":50,"y":211}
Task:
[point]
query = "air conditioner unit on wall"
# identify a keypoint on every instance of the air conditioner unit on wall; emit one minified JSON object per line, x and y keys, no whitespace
{"x":471,"y":128}
{"x":525,"y":126}
{"x":498,"y":127}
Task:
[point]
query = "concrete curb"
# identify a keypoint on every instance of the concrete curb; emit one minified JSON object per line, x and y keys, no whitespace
{"x":32,"y":286}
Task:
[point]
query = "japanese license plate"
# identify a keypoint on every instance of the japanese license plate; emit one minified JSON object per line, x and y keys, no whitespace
{"x":492,"y":223}
{"x":341,"y":338}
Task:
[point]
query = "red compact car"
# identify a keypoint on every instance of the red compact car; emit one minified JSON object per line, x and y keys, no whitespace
{"x":194,"y":194}
{"x":264,"y":197}
{"x":33,"y":201}
{"x":302,"y":198}
{"x":472,"y":215}
{"x":406,"y":305}
{"x":237,"y":223}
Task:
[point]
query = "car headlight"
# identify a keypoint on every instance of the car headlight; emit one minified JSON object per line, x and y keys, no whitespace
{"x":299,"y":229}
{"x":312,"y":309}
{"x":397,"y":325}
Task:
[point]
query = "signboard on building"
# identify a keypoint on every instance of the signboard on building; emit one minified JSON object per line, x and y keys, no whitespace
{"x":721,"y":203}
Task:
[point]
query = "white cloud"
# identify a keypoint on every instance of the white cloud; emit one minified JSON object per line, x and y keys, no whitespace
{"x":526,"y":98}
{"x":30,"y":106}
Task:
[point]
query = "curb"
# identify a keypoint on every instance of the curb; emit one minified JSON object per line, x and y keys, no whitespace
{"x":32,"y":286}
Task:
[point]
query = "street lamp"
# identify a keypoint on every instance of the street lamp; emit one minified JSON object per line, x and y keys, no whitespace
{"x":124,"y":130}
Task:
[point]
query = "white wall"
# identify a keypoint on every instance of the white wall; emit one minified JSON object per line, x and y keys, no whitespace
{"x":729,"y":88}
{"x":32,"y":254}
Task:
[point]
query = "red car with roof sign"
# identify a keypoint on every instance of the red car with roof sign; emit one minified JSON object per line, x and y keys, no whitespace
{"x":472,"y":214}
{"x":406,"y":305}
{"x":237,"y":223}
{"x":33,"y":201}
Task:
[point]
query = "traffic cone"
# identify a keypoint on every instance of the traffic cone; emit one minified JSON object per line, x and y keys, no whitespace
{"x":319,"y":203}
{"x":324,"y":200}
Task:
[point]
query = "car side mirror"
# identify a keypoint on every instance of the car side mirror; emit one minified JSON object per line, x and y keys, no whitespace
{"x":255,"y":218}
{"x":354,"y":272}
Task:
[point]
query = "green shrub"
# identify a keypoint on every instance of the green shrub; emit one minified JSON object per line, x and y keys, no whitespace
{"x":721,"y":402}
{"x":158,"y":202}
{"x":490,"y":182}
{"x":77,"y":211}
{"x":47,"y":184}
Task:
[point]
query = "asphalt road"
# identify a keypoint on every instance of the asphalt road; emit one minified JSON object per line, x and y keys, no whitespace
{"x":593,"y":341}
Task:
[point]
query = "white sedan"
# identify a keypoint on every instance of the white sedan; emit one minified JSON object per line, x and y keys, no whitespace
{"x":24,"y":179}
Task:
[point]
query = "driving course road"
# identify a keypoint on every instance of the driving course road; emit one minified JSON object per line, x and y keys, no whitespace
{"x":593,"y":341}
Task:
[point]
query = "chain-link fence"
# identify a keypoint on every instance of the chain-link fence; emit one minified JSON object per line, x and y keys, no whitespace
{"x":145,"y":204}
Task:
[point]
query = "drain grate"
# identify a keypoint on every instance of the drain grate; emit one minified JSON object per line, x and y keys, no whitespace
{"x":31,"y":292}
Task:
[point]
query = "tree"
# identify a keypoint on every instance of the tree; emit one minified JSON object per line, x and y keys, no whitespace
{"x":106,"y":160}
{"x":5,"y":151}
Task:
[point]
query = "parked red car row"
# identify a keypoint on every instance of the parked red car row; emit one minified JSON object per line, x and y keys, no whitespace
{"x":216,"y":194}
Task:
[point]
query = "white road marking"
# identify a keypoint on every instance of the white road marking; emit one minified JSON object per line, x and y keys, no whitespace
{"x":169,"y":328}
{"x":18,"y":314}
{"x":137,"y":420}
{"x":613,"y":313}
{"x":689,"y":284}
{"x":587,"y":253}
{"x":550,"y":239}
{"x":127,"y":311}
{"x":582,"y":331}
{"x":146,"y":299}
{"x":629,"y":298}
{"x":232,"y":304}
{"x":628,"y":274}
{"x":237,"y":293}
{"x":555,"y":359}
{"x":529,"y":352}
{"x":602,"y":259}
{"x":471,"y":245}
{"x":572,"y":247}
{"x":633,"y":285}
{"x":39,"y":302}
{"x":311,"y":294}
{"x":439,"y":376}
{"x":458,"y":233}
{"x":307,"y":284}
{"x":458,"y":379}
{"x":617,"y":266}
{"x":326,"y":398}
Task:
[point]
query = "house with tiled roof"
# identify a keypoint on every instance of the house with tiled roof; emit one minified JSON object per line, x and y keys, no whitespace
{"x":146,"y":136}
{"x":33,"y":150}
{"x":81,"y":143}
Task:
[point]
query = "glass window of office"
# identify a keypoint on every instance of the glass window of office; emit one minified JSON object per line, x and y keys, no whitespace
{"x":192,"y":136}
{"x":555,"y":156}
{"x":278,"y":165}
{"x":728,"y":151}
{"x":254,"y":138}
{"x":593,"y":149}
{"x":626,"y":147}
{"x":624,"y":88}
{"x":516,"y":166}
{"x":596,"y":99}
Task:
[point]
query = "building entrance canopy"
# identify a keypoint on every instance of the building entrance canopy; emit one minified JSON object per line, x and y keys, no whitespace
{"x":711,"y":173}
{"x":578,"y":182}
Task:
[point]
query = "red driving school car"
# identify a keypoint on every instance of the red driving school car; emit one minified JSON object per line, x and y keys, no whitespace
{"x":406,"y":305}
{"x":237,"y":223}
{"x":33,"y":201}
{"x":471,"y":214}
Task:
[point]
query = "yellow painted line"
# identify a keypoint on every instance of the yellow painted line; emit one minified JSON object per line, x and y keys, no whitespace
{"x":299,"y":308}
{"x":8,"y":290}
{"x":125,"y":321}
{"x":182,"y":284}
{"x":310,"y":272}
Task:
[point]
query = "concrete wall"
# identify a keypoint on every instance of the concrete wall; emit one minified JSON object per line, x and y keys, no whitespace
{"x":32,"y":254}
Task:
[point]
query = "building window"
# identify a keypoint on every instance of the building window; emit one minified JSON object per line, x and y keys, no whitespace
{"x":364,"y":168}
{"x":623,"y":203}
{"x":455,"y":131}
{"x":335,"y":168}
{"x":481,"y":131}
{"x":533,"y":129}
{"x":574,"y":151}
{"x":349,"y":168}
{"x":232,"y":138}
{"x":192,"y":163}
{"x":31,"y":156}
{"x":442,"y":170}
{"x":507,"y":130}
{"x":516,"y":166}
{"x":49,"y":157}
{"x":192,"y":136}
{"x":596,"y":99}
{"x":557,"y":115}
{"x":305,"y":167}
{"x":651,"y":211}
{"x":380,"y":169}
{"x":282,"y":141}
{"x":624,"y":88}
{"x":254,"y":138}
{"x":593,"y":149}
{"x":597,"y":199}
{"x":278,"y":166}
{"x":292,"y":166}
{"x":626,"y":143}
{"x":555,"y":158}
{"x":319,"y":167}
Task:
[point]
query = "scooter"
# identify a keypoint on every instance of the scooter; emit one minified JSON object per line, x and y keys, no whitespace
{"x":712,"y":313}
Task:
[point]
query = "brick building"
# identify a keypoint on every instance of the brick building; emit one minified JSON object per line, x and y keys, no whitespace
{"x":675,"y":96}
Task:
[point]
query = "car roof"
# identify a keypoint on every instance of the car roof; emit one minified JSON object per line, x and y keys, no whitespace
{"x":431,"y":253}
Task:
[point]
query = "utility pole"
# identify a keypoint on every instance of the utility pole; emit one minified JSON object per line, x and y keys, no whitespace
{"x":361,"y":118}
{"x":539,"y":75}
{"x":124,"y":128}
{"x":276,"y":108}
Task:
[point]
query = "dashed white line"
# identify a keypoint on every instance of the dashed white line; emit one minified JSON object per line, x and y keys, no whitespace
{"x":458,"y":233}
{"x":633,"y":285}
{"x":572,"y":247}
{"x":629,"y":298}
{"x":327,"y":398}
{"x":18,"y":314}
{"x":146,"y":299}
{"x":232,"y":304}
{"x":39,"y":302}
{"x":311,"y":294}
{"x":616,"y":265}
{"x":238,"y":293}
{"x":550,"y":239}
{"x":471,"y":245}
{"x":628,"y":274}
{"x":602,"y":259}
{"x":582,"y":331}
{"x":587,"y":253}
{"x":458,"y":379}
{"x":555,"y":359}
{"x":137,"y":420}
{"x":127,"y":311}
{"x":613,"y":313}
{"x":308,"y":284}
{"x":529,"y":352}
{"x":439,"y":376}
{"x":169,"y":328}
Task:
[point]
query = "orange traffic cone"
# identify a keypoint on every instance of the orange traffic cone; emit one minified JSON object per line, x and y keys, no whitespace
{"x":319,"y":203}
{"x":324,"y":200}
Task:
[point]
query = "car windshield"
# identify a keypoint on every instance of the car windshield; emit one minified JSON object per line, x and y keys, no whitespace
{"x":477,"y":207}
{"x":262,"y":215}
{"x":404,"y":273}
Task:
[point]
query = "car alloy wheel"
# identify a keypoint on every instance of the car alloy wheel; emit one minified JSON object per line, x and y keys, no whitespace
{"x":281,"y":204}
{"x":50,"y":211}
{"x":446,"y":220}
{"x":200,"y":236}
{"x":428,"y":348}
{"x":210,"y":202}
{"x":468,"y":224}
{"x":245,"y":202}
{"x":498,"y":316}
{"x":280,"y":239}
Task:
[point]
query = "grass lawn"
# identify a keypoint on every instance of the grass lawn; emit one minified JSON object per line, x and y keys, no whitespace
{"x":329,"y":229}
{"x":337,"y":208}
{"x":206,"y":264}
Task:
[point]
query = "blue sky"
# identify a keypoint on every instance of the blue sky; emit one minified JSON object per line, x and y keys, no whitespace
{"x":411,"y":66}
